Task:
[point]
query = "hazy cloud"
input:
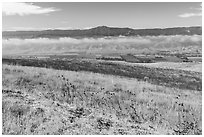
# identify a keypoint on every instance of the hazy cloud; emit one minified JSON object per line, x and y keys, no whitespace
{"x":187,"y":15}
{"x":68,"y":40}
{"x":64,"y":22}
{"x":23,"y":29}
{"x":18,"y":8}
{"x":36,"y":29}
{"x":106,"y":44}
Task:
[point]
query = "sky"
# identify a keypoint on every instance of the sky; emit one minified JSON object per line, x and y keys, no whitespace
{"x":66,"y":15}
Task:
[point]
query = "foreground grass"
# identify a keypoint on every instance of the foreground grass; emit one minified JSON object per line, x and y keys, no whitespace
{"x":46,"y":101}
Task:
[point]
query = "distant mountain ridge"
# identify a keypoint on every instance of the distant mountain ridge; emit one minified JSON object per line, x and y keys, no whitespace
{"x":102,"y":31}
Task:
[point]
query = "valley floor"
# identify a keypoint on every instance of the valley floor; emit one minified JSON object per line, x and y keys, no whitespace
{"x":48,"y":102}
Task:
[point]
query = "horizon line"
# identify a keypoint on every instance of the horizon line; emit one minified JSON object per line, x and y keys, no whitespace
{"x":87,"y":28}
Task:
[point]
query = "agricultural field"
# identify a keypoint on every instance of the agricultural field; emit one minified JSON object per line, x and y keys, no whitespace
{"x":46,"y":101}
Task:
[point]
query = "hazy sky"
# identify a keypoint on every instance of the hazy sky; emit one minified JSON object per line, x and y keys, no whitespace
{"x":34,"y":16}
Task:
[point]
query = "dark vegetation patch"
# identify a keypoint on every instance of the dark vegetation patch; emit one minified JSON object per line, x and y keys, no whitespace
{"x":159,"y":76}
{"x":103,"y":123}
{"x":134,"y":59}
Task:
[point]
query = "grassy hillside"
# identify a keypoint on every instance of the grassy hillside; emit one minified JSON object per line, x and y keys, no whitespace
{"x":159,"y":76}
{"x":47,"y":101}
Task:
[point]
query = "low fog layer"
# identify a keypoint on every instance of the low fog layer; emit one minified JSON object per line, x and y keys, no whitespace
{"x":101,"y":45}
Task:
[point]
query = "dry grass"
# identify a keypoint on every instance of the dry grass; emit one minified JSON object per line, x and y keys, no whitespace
{"x":47,"y":101}
{"x":189,"y":66}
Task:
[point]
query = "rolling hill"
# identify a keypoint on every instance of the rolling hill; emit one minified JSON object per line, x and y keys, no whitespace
{"x":102,"y":31}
